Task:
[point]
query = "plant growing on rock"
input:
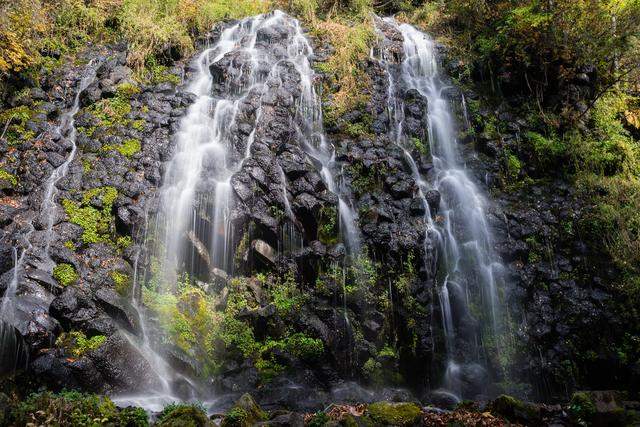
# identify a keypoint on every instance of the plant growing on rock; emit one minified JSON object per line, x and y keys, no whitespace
{"x":72,"y":408}
{"x":65,"y":274}
{"x":96,"y":224}
{"x":77,"y":344}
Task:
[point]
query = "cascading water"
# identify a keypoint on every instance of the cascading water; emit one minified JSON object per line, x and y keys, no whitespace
{"x":467,"y":270}
{"x":10,"y":345}
{"x":199,"y":175}
{"x":66,"y":127}
{"x":234,"y":83}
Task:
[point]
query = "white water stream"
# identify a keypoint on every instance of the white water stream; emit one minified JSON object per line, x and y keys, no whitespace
{"x":467,"y":267}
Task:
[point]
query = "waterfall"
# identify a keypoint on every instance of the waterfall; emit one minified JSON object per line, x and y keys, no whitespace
{"x":11,"y":348}
{"x":66,"y":130}
{"x":467,"y":269}
{"x":196,"y":194}
{"x":233,"y":83}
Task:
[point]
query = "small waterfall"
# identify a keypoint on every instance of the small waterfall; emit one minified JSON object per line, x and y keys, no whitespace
{"x":467,"y":270}
{"x":67,"y":131}
{"x":12,"y":350}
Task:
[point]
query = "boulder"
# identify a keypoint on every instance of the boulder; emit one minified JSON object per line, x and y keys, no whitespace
{"x":244,"y":413}
{"x":394,"y":414}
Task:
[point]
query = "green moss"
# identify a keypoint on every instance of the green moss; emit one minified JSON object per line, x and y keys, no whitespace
{"x":328,"y":225}
{"x":154,"y":73}
{"x":96,"y":224}
{"x":304,"y":347}
{"x":513,"y":166}
{"x":128,"y":148}
{"x":127,"y":90}
{"x":65,"y":274}
{"x":513,"y":409}
{"x":183,"y":415}
{"x":13,"y":123}
{"x":138,"y":125}
{"x":420,"y":146}
{"x":123,"y":242}
{"x":548,"y":151}
{"x":86,"y":165}
{"x":190,"y":320}
{"x":122,"y":282}
{"x":6,"y":176}
{"x":70,"y":245}
{"x":244,"y":413}
{"x":320,"y":419}
{"x":76,"y":343}
{"x":111,"y":111}
{"x":236,"y":417}
{"x":394,"y":414}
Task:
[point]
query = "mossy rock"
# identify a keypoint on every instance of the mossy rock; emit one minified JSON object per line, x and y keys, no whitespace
{"x":394,"y":414}
{"x":183,"y":416}
{"x":514,"y":410}
{"x":244,"y":413}
{"x":601,"y":409}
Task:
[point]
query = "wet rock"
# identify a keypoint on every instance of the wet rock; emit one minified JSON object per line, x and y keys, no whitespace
{"x":245,"y":412}
{"x":264,"y":252}
{"x":515,"y":410}
{"x":184,"y":415}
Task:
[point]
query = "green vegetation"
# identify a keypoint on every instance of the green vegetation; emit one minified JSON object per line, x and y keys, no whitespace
{"x":128,"y":148}
{"x":244,"y":413}
{"x":328,"y":225}
{"x":285,"y":294}
{"x":13,"y":123}
{"x":394,"y":414}
{"x":581,"y":407}
{"x":122,"y":282}
{"x":76,"y":343}
{"x":183,"y":414}
{"x":34,"y":33}
{"x":111,"y":111}
{"x":514,"y":410}
{"x":72,"y":408}
{"x":65,"y":274}
{"x":191,"y":321}
{"x":96,"y":223}
{"x":154,"y":28}
{"x":9,"y":178}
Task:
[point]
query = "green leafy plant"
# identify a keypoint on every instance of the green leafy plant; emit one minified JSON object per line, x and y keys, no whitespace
{"x":77,"y":344}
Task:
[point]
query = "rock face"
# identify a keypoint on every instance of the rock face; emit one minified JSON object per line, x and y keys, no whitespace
{"x":377,"y":319}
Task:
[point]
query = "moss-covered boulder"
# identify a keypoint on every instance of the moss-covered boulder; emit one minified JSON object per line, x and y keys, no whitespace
{"x":244,"y":413}
{"x":394,"y":414}
{"x":181,"y":415}
{"x":515,"y":410}
{"x":601,"y":409}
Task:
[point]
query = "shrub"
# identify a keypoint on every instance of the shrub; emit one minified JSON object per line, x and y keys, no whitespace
{"x":72,"y":408}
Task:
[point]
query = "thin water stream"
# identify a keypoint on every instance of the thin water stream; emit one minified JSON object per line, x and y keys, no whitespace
{"x":10,"y":347}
